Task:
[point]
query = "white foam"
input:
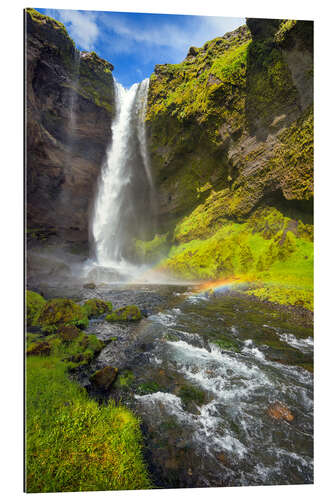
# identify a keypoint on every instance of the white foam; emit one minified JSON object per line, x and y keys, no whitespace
{"x":300,"y":344}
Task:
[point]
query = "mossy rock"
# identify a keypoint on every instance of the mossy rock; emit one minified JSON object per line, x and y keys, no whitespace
{"x":62,"y":312}
{"x":96,"y":307}
{"x":34,"y":305}
{"x":226,"y":345}
{"x":190,"y":394}
{"x":149,"y":387}
{"x":68,"y":333}
{"x":126,"y":313}
{"x":125,"y":379}
{"x":39,"y":349}
{"x":104,"y":378}
{"x":82,"y":350}
{"x":90,"y":286}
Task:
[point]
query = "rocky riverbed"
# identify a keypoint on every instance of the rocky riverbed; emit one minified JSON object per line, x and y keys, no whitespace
{"x":223,"y":384}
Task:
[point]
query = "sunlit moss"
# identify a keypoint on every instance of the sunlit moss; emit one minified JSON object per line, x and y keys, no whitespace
{"x":34,"y":305}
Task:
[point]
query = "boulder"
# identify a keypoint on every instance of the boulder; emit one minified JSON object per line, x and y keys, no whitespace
{"x":68,"y":333}
{"x":104,"y":378}
{"x":96,"y":307}
{"x":62,"y":312}
{"x":126,"y":313}
{"x":280,"y":412}
{"x":39,"y":349}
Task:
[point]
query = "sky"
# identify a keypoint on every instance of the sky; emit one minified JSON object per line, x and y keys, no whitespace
{"x":134,"y":43}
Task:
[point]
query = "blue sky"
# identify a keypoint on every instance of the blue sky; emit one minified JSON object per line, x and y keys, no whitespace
{"x":134,"y":43}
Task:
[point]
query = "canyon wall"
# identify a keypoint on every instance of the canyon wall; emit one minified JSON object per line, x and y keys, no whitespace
{"x":69,"y":108}
{"x":233,"y":121}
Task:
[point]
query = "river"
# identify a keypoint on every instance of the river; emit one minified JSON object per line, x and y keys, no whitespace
{"x":203,"y":370}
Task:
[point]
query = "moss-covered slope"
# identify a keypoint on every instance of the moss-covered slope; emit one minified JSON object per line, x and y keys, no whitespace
{"x":231,"y":141}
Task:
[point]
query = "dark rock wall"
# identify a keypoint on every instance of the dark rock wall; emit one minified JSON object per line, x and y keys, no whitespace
{"x":69,"y":108}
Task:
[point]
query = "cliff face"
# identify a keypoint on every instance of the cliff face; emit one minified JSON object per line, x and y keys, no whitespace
{"x":234,"y":120}
{"x":231,"y":139}
{"x":69,"y":108}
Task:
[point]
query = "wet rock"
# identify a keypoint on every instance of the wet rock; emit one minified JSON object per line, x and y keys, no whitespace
{"x":104,"y":378}
{"x":39,"y":349}
{"x":127,"y":313}
{"x":68,"y":333}
{"x":280,"y":412}
{"x":90,"y":286}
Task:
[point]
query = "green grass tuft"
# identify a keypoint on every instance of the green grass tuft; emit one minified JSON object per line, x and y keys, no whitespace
{"x":73,"y":444}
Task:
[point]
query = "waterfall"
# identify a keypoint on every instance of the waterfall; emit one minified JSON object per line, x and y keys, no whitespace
{"x":124,"y":194}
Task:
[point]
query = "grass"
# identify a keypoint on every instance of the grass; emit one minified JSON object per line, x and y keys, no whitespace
{"x":269,"y":250}
{"x":73,"y":444}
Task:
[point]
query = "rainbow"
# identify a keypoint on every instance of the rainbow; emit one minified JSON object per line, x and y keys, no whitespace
{"x":217,"y":286}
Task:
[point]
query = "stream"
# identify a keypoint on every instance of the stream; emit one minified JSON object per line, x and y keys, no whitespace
{"x":203,"y":370}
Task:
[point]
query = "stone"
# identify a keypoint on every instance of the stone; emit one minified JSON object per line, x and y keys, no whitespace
{"x":39,"y":349}
{"x":127,"y":313}
{"x":68,"y":333}
{"x":280,"y":412}
{"x":104,"y":378}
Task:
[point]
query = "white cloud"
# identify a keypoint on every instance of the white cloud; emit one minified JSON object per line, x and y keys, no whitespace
{"x":82,"y":26}
{"x":177,"y":39}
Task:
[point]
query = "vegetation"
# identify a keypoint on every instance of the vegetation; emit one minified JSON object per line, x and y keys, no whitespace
{"x":126,"y":313}
{"x":62,"y":312}
{"x":270,"y":249}
{"x":73,"y":444}
{"x":34,"y":305}
{"x":153,"y":250}
{"x":96,"y":307}
{"x":191,"y":394}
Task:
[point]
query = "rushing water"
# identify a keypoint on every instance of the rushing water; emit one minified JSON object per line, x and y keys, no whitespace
{"x":205,"y":371}
{"x":124,"y":195}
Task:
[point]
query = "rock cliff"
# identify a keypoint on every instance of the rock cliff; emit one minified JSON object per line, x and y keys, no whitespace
{"x":230,"y":132}
{"x":69,"y":108}
{"x":235,"y":118}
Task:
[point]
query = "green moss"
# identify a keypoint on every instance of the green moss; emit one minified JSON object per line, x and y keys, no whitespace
{"x":42,"y":19}
{"x":96,"y":81}
{"x":149,"y":387}
{"x":96,"y":307}
{"x":62,"y":312}
{"x":285,"y":27}
{"x":293,"y":158}
{"x":151,"y":251}
{"x":226,"y":344}
{"x":34,"y":305}
{"x":191,"y":394}
{"x":266,"y":248}
{"x":68,"y":333}
{"x":126,"y":313}
{"x":73,"y":443}
{"x":125,"y":379}
{"x":270,"y":88}
{"x":39,"y":349}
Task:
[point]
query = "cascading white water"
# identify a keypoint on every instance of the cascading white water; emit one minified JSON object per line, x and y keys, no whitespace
{"x":125,"y":182}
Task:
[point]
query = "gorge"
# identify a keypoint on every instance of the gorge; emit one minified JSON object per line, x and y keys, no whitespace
{"x":190,"y":196}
